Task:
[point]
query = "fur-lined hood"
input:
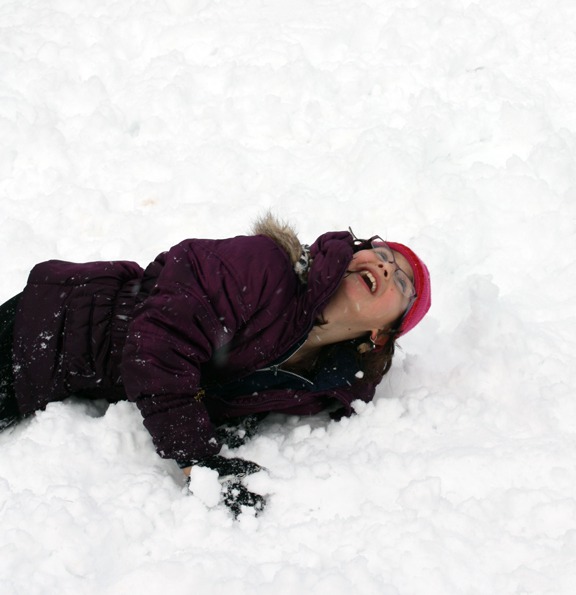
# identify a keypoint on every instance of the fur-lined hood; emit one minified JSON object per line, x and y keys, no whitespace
{"x":285,"y":236}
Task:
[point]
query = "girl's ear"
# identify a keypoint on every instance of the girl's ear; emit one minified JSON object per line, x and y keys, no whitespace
{"x":378,"y":338}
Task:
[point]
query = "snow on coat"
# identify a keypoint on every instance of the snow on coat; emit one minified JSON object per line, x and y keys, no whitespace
{"x":204,"y":313}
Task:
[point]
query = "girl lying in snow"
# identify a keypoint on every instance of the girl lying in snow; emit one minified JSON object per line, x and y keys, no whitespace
{"x":212,"y":335}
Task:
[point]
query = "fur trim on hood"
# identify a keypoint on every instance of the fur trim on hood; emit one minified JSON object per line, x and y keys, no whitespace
{"x":285,"y":236}
{"x":282,"y":233}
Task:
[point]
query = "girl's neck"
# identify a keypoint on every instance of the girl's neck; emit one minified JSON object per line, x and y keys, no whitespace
{"x":320,"y":336}
{"x":326,"y":334}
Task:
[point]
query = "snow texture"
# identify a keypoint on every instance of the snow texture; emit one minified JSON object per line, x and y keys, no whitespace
{"x":128,"y":125}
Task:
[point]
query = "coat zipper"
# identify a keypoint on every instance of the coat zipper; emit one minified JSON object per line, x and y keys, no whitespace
{"x":275,"y":368}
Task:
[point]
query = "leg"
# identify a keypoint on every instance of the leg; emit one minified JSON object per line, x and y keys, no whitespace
{"x":9,"y":413}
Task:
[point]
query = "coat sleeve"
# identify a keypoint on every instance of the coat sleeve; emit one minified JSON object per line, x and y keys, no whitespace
{"x":172,"y":334}
{"x":198,"y":302}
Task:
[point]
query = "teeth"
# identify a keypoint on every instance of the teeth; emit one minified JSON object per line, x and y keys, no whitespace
{"x":368,"y":275}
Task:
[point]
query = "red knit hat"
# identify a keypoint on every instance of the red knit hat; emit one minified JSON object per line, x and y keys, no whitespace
{"x":423,"y":299}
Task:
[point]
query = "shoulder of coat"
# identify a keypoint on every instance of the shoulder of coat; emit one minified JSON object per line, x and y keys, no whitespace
{"x":285,"y":236}
{"x":282,"y":233}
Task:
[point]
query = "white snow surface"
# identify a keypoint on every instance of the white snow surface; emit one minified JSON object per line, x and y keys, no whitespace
{"x":129,"y":125}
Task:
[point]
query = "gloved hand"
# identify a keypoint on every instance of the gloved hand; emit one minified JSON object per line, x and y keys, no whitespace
{"x":234,"y":433}
{"x":235,"y":493}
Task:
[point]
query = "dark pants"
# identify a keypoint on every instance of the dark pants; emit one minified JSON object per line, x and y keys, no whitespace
{"x":9,"y":413}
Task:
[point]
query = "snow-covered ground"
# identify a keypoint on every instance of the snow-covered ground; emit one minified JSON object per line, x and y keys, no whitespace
{"x":128,"y":125}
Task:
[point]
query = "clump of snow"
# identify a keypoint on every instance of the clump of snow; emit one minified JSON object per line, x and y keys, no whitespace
{"x":204,"y":484}
{"x":450,"y":126}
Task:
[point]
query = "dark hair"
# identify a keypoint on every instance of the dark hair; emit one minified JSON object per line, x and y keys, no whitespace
{"x":374,"y":363}
{"x":377,"y":362}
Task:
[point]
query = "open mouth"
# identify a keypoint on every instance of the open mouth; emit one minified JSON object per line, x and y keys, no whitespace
{"x":369,"y":279}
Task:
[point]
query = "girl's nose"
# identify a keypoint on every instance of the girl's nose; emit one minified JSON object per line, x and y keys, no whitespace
{"x":387,"y":269}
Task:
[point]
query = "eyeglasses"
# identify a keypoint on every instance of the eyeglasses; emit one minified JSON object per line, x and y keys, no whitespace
{"x":401,"y":278}
{"x":383,"y":250}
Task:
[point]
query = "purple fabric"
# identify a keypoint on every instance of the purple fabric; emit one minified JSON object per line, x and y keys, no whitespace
{"x":205,"y":311}
{"x":70,"y":328}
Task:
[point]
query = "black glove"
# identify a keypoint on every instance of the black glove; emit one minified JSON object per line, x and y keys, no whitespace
{"x":235,"y":493}
{"x":234,"y":433}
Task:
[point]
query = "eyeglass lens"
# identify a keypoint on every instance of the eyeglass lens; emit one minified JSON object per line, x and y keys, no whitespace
{"x":401,"y":279}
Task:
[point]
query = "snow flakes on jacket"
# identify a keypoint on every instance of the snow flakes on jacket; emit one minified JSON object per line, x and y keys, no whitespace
{"x":203,"y":314}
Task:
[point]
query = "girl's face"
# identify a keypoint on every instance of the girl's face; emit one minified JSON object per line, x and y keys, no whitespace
{"x":368,"y":298}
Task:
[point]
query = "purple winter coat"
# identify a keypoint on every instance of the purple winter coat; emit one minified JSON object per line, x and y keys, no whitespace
{"x":203,"y":313}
